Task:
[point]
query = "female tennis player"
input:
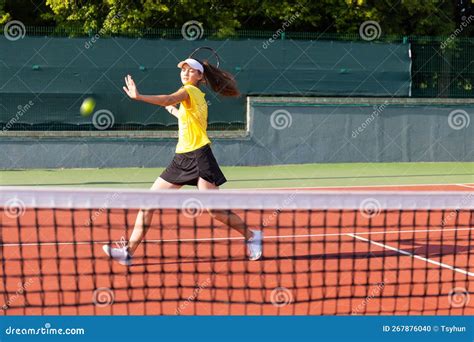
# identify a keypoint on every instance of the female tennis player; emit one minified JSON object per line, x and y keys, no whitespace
{"x":194,"y":162}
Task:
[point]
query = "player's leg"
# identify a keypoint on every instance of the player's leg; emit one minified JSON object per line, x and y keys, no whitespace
{"x":253,"y":238}
{"x":124,"y":254}
{"x":144,"y":217}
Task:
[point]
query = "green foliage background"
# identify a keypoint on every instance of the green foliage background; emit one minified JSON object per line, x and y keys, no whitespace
{"x":397,"y":17}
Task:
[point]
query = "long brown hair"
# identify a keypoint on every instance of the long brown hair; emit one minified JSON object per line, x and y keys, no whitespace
{"x":220,"y":81}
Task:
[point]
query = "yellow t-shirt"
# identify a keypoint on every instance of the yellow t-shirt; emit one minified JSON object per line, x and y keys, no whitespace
{"x":192,"y":121}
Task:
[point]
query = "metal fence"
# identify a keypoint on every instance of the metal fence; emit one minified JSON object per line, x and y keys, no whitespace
{"x":442,"y":66}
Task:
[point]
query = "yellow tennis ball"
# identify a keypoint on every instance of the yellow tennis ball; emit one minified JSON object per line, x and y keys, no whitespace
{"x":87,"y":106}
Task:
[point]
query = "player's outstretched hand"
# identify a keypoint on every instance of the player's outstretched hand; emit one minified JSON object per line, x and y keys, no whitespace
{"x":130,"y":88}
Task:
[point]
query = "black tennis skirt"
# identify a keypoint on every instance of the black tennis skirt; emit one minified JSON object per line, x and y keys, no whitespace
{"x":186,"y":168}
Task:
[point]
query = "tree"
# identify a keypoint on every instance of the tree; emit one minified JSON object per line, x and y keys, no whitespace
{"x":4,"y":16}
{"x":395,"y":17}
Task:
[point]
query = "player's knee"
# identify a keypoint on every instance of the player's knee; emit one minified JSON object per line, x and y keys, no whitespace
{"x":212,"y":212}
{"x":148,"y":212}
{"x":216,"y":213}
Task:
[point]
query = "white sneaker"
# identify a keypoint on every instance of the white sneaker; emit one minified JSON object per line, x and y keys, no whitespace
{"x":254,"y":245}
{"x":120,"y":255}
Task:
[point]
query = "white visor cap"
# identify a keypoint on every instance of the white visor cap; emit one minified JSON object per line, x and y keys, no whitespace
{"x":192,"y":63}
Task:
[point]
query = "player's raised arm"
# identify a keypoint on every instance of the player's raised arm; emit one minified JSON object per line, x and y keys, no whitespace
{"x":159,"y":100}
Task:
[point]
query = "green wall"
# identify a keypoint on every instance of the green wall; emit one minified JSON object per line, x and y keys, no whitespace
{"x":57,"y":73}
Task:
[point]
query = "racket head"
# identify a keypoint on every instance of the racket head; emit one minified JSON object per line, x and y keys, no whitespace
{"x":205,"y":53}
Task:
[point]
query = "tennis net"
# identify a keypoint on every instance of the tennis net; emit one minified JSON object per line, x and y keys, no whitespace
{"x":324,"y":253}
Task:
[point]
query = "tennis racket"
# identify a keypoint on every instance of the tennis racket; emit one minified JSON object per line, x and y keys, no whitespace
{"x":206,"y":53}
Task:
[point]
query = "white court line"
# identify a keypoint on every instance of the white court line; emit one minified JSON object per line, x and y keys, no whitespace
{"x":415,"y":256}
{"x":269,"y":237}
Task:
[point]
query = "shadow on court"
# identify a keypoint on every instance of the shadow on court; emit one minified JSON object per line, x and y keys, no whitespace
{"x":423,"y":250}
